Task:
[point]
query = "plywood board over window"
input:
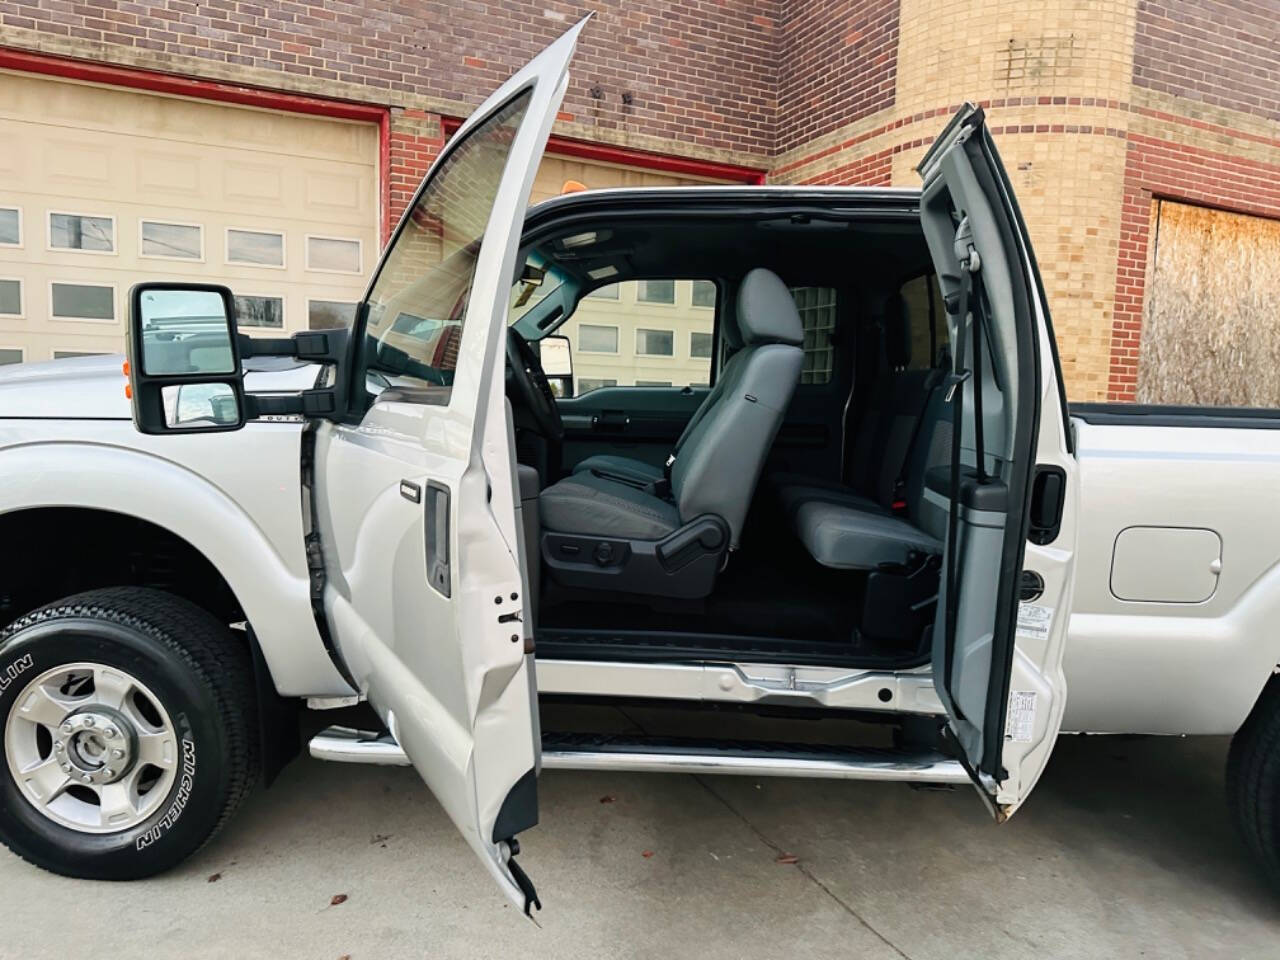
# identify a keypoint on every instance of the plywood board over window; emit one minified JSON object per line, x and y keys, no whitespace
{"x":1211,"y":318}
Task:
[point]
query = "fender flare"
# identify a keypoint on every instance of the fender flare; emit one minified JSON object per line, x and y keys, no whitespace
{"x":113,"y":479}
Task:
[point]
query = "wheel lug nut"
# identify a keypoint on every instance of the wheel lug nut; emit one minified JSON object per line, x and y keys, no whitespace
{"x":58,"y":745}
{"x":117,"y":754}
{"x":111,"y":733}
{"x":66,"y":768}
{"x":88,"y":721}
{"x":108,"y":772}
{"x":66,"y":728}
{"x":86,"y":778}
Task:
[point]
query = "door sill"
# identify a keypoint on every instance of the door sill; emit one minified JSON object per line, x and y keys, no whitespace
{"x":634,"y":646}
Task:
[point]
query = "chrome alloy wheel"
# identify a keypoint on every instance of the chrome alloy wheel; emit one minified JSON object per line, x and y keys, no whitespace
{"x":91,"y":748}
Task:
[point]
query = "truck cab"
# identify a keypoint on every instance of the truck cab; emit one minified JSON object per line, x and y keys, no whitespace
{"x":472,"y":521}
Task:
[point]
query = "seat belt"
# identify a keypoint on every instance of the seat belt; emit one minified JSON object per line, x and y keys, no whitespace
{"x":970,"y":263}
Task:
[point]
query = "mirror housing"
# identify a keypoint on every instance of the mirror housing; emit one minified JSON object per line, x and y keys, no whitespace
{"x":183,"y":354}
{"x":555,"y":353}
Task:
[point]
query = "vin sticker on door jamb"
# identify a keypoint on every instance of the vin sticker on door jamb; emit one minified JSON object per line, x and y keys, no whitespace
{"x":1034,"y":621}
{"x":1020,"y":723}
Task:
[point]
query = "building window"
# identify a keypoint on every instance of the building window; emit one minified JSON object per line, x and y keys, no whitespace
{"x":253,"y":311}
{"x":704,"y":294}
{"x":10,"y":227}
{"x":334,"y":255}
{"x":653,"y":383}
{"x":10,"y":298}
{"x":700,"y":346}
{"x":10,"y":355}
{"x":817,"y":306}
{"x":82,"y":301}
{"x":171,"y":241}
{"x":597,"y":339}
{"x":605,"y":293}
{"x":75,"y":231}
{"x":255,"y":248}
{"x":68,"y":354}
{"x":656,"y":291}
{"x":587,"y":384}
{"x":328,"y":314}
{"x":655,"y":343}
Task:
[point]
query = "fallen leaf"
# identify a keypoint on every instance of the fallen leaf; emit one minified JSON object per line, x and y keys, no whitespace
{"x":345,"y":956}
{"x":787,"y":858}
{"x":647,"y":854}
{"x":214,"y":877}
{"x":608,"y":798}
{"x":337,"y":898}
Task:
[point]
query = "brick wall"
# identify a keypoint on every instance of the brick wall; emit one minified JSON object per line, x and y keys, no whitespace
{"x":701,"y":73}
{"x":1223,"y":53}
{"x":836,"y":63}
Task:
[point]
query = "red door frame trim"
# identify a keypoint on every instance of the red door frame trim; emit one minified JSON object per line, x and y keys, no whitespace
{"x":134,"y":79}
{"x":644,"y":159}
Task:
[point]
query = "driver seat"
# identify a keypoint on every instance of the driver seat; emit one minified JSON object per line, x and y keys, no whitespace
{"x":668,"y":535}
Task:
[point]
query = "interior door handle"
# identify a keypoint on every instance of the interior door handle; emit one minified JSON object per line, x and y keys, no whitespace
{"x":610,"y":420}
{"x":1048,"y":494}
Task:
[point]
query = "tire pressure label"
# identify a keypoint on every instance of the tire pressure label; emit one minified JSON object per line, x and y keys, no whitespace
{"x":1034,"y":621}
{"x":1020,"y":722}
{"x":180,"y":799}
{"x":14,"y":670}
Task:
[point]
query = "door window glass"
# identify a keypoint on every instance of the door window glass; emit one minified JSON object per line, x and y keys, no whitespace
{"x":643,"y":333}
{"x":418,"y":303}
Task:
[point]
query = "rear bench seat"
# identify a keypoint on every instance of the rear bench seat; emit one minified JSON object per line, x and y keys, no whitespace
{"x":847,"y":530}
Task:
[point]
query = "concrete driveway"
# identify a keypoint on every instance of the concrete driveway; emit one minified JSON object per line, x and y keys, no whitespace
{"x":1124,"y":851}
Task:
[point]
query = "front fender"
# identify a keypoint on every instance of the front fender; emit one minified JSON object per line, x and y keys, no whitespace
{"x":222,"y":504}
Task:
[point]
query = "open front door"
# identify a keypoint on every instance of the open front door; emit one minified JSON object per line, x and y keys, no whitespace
{"x":1009,"y":487}
{"x":416,"y":506}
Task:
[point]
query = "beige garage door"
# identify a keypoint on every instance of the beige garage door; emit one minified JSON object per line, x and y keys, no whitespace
{"x":102,"y":187}
{"x":556,"y":171}
{"x":1211,"y":314}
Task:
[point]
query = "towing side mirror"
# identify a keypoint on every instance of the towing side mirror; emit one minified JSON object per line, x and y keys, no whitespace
{"x":556,"y":356}
{"x":184,"y":359}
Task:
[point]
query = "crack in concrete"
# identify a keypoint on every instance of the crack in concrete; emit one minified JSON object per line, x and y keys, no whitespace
{"x":804,"y":870}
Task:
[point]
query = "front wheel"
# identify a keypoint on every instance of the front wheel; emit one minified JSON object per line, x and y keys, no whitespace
{"x":129,"y":737}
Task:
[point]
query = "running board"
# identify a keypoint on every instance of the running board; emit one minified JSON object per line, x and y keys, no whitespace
{"x":651,"y":755}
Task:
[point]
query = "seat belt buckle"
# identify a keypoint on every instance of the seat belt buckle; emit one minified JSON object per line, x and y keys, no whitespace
{"x":954,"y":380}
{"x":898,"y":503}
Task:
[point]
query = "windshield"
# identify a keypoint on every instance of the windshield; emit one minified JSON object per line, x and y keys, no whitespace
{"x":418,"y":302}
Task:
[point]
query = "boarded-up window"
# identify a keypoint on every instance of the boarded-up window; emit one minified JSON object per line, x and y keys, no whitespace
{"x":1211,"y":320}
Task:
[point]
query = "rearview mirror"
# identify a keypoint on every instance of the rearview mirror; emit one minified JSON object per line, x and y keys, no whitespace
{"x":184,"y":361}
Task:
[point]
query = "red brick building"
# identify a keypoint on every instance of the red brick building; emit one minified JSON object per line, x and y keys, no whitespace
{"x":273,"y":143}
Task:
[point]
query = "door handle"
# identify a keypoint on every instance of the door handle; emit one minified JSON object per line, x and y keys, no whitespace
{"x":1048,"y":494}
{"x":610,"y":420}
{"x":436,"y":523}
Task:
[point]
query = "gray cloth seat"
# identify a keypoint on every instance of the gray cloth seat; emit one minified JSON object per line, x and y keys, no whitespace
{"x":641,"y":472}
{"x":588,"y":503}
{"x":715,"y":469}
{"x":845,"y":530}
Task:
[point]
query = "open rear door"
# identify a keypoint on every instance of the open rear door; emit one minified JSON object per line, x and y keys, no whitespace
{"x":1008,"y":487}
{"x":416,"y":502}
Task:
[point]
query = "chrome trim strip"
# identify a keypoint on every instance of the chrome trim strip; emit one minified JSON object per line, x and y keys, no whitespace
{"x":345,"y":745}
{"x":909,"y":768}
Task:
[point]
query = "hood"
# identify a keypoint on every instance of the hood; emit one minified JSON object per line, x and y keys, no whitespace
{"x":93,"y":387}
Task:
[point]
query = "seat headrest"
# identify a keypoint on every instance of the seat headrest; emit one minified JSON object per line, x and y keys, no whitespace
{"x":729,"y":332}
{"x":897,"y":332}
{"x":766,"y":311}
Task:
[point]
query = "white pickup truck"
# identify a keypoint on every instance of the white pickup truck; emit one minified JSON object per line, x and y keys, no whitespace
{"x":891,"y":519}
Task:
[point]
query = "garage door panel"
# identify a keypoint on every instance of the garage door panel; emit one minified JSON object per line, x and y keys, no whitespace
{"x":97,"y":150}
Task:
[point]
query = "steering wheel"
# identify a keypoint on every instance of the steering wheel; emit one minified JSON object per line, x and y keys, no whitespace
{"x":530,"y":386}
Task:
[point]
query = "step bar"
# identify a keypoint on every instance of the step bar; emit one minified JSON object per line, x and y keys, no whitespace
{"x":651,"y":755}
